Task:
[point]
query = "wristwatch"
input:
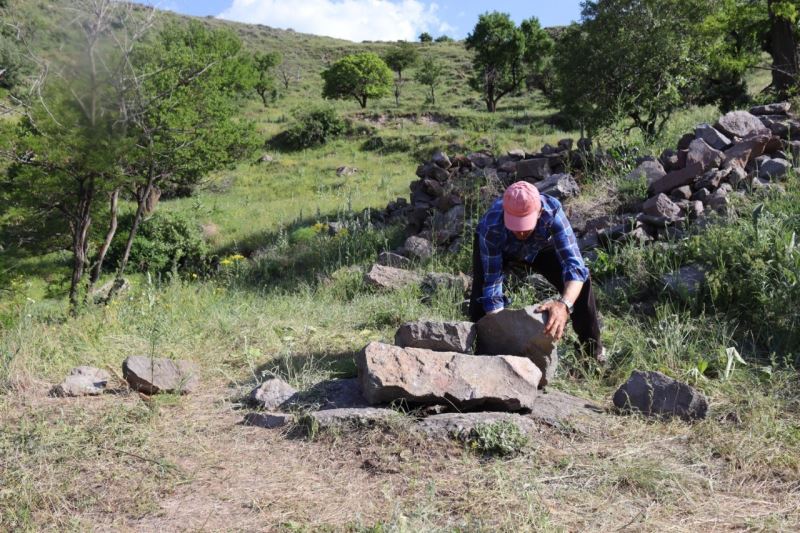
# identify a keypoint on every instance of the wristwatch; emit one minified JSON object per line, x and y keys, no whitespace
{"x":567,"y":303}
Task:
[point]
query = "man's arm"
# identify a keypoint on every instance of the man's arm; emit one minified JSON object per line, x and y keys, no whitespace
{"x":492,"y":262}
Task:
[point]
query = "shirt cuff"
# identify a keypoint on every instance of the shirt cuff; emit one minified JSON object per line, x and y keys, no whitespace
{"x":576,"y":274}
{"x":493,"y":304}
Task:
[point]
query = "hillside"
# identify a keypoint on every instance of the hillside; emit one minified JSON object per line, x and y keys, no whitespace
{"x":282,"y":295}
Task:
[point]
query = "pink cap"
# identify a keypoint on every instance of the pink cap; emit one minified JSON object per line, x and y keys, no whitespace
{"x":521,"y":206}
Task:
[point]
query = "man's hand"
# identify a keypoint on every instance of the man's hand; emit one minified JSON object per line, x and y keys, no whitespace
{"x":557,"y":318}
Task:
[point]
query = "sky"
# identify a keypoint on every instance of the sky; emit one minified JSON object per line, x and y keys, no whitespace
{"x":374,"y":20}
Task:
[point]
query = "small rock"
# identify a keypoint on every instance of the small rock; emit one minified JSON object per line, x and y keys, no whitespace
{"x":654,"y":394}
{"x":774,"y":168}
{"x":439,"y":281}
{"x":346,"y":171}
{"x":661,"y":206}
{"x":386,"y":277}
{"x":437,"y":336}
{"x":701,"y":195}
{"x":650,"y":170}
{"x":266,"y":158}
{"x":110,"y":289}
{"x":82,"y":381}
{"x":272,"y":394}
{"x":441,"y":160}
{"x":267,"y":420}
{"x":681,"y":193}
{"x":480,"y":159}
{"x":418,"y":247}
{"x":460,"y":426}
{"x":780,"y":108}
{"x":700,"y":152}
{"x":538,"y":168}
{"x":712,"y":137}
{"x":519,"y":332}
{"x":152,"y":376}
{"x":676,"y":179}
{"x":389,"y":373}
{"x":516,"y":154}
{"x":740,"y":124}
{"x":560,"y":186}
{"x":353,"y":416}
{"x":392,"y":259}
{"x":669,"y":160}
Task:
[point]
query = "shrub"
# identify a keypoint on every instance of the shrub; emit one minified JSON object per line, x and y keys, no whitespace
{"x":164,"y":242}
{"x":315,"y":127}
{"x":497,"y":438}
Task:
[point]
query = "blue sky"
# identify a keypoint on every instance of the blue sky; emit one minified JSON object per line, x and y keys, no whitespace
{"x":388,"y":20}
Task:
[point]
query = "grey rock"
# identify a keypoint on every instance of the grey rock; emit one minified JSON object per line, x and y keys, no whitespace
{"x":328,"y":394}
{"x":712,"y":137}
{"x":519,"y":332}
{"x":110,"y":289}
{"x":432,"y":170}
{"x":266,"y":158}
{"x":669,"y":160}
{"x":711,"y":179}
{"x":460,"y":426}
{"x":82,"y":381}
{"x":687,"y":280}
{"x":774,"y":168}
{"x":441,"y":160}
{"x":780,"y":108}
{"x":385,"y":277}
{"x":267,"y":420}
{"x":418,"y":247}
{"x":737,"y":176}
{"x":650,"y":170}
{"x":390,"y":373}
{"x":695,"y":210}
{"x":440,"y":281}
{"x":654,"y":394}
{"x":354,"y":416}
{"x":437,"y":336}
{"x":516,"y":154}
{"x":565,"y":145}
{"x":538,"y":168}
{"x":740,"y":124}
{"x":661,"y":206}
{"x":560,"y":186}
{"x":701,"y":195}
{"x":685,"y":141}
{"x":480,"y":159}
{"x":153,"y":375}
{"x":681,"y":193}
{"x":741,"y":153}
{"x":447,"y":225}
{"x":271,"y":394}
{"x":700,"y":152}
{"x":675,"y":179}
{"x":719,"y":203}
{"x":346,"y":171}
{"x":392,"y":259}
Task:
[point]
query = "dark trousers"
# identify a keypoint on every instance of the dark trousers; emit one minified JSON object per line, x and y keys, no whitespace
{"x":584,"y":314}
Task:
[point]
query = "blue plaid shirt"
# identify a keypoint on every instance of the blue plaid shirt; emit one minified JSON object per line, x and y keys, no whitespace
{"x":497,"y":242}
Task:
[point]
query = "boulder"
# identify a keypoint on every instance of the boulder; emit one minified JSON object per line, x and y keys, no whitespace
{"x":432,"y":170}
{"x":741,"y":153}
{"x":480,"y":159}
{"x":654,"y":394}
{"x":82,"y":381}
{"x":676,"y":179}
{"x":780,"y":108}
{"x":712,"y":137}
{"x":519,"y":332}
{"x":390,"y":373}
{"x":440,"y":159}
{"x":392,"y":259}
{"x":741,"y":124}
{"x":385,"y":277}
{"x":711,"y":179}
{"x":650,"y":170}
{"x":538,"y":168}
{"x":661,"y":206}
{"x":560,"y":186}
{"x":700,"y":152}
{"x":418,"y":247}
{"x":774,"y":168}
{"x":154,"y":375}
{"x":685,"y":141}
{"x":272,"y":394}
{"x":437,"y":336}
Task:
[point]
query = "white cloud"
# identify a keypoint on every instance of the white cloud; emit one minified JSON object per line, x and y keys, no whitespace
{"x":355,"y":20}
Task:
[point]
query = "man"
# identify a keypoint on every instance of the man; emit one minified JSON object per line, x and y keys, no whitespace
{"x":528,"y":227}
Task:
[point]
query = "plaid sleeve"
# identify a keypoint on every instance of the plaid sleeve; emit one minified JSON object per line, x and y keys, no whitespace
{"x":572,"y":266}
{"x":492,"y":261}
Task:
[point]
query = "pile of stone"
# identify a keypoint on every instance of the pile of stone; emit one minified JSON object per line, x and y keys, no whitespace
{"x":431,"y":370}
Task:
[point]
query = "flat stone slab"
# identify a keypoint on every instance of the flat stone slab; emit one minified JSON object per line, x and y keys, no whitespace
{"x":519,"y":332}
{"x":268,"y":420}
{"x":82,"y":381}
{"x":152,"y":376}
{"x":654,"y":394}
{"x":555,"y":407}
{"x":438,"y":336}
{"x":354,"y":416}
{"x":386,"y":277}
{"x":329,"y":394}
{"x":390,"y":373}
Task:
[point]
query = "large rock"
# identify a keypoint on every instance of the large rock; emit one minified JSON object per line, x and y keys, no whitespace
{"x":661,"y":206}
{"x":272,"y":394}
{"x":741,"y":124}
{"x":385,"y":277}
{"x":712,"y":137}
{"x":83,"y":381}
{"x":152,"y":376}
{"x":700,"y":152}
{"x":650,"y":170}
{"x":390,"y":373}
{"x":774,"y":168}
{"x":780,"y":108}
{"x":418,"y":247}
{"x":438,"y":336}
{"x":561,"y":186}
{"x":654,"y":394}
{"x":538,"y":168}
{"x":676,"y":179}
{"x":741,"y":153}
{"x":519,"y":332}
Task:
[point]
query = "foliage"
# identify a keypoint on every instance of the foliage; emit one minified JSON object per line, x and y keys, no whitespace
{"x":425,"y":37}
{"x":634,"y":59}
{"x":165,"y":242}
{"x":315,"y":127}
{"x":265,"y":85}
{"x":444,"y":39}
{"x":497,"y":438}
{"x":361,"y":76}
{"x":430,"y":74}
{"x":400,"y":58}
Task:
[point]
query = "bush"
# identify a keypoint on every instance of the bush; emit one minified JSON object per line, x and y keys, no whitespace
{"x":315,"y":127}
{"x":164,"y":242}
{"x":497,"y":438}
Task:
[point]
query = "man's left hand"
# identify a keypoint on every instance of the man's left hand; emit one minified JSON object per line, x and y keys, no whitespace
{"x":557,"y":318}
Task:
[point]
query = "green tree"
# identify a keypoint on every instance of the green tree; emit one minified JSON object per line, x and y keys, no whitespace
{"x":425,"y":37}
{"x":265,"y":84}
{"x":400,"y":58}
{"x":430,"y":74}
{"x":444,"y":39}
{"x":537,"y":55}
{"x":634,"y":59}
{"x":499,"y":47}
{"x":360,"y":76}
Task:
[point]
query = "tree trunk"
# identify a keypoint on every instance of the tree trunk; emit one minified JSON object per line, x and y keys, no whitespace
{"x":112,"y":230}
{"x":137,"y":219}
{"x":397,"y":95}
{"x":80,"y":239}
{"x":433,"y":97}
{"x":783,"y":49}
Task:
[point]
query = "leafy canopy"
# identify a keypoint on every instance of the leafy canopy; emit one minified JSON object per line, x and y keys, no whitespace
{"x":360,"y":76}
